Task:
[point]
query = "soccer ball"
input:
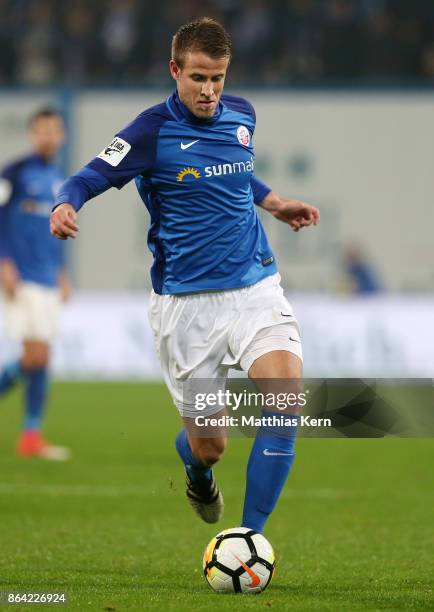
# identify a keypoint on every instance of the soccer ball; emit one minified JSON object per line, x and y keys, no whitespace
{"x":238,"y":560}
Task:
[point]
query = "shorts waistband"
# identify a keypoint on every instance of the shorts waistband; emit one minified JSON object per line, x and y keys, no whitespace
{"x":267,"y":280}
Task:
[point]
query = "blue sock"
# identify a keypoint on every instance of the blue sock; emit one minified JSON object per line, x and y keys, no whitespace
{"x":36,"y":393}
{"x":9,"y":376}
{"x":195,"y":469}
{"x":270,"y":461}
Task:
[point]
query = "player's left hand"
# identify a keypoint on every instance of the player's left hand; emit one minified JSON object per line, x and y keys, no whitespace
{"x":63,"y":222}
{"x":295,"y":213}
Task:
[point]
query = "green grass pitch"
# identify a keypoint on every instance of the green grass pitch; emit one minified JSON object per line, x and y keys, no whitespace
{"x":354,"y":529}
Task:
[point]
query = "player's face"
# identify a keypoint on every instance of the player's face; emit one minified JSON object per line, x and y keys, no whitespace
{"x":47,"y":135}
{"x":200,"y":82}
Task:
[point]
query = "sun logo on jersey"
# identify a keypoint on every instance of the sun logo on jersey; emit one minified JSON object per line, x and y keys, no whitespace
{"x":185,"y":171}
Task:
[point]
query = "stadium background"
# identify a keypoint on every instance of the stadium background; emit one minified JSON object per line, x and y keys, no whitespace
{"x":344,"y":96}
{"x":345,"y":121}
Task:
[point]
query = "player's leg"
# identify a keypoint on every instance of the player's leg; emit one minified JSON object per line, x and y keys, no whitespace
{"x":14,"y":320}
{"x":35,"y":365}
{"x":187,"y":357}
{"x":272,"y":453}
{"x":40,"y":313}
{"x":9,"y":376}
{"x":200,"y":452}
{"x":35,"y":368}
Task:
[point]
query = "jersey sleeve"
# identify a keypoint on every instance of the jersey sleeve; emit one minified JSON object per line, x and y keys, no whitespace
{"x":7,"y":185}
{"x":259,"y":189}
{"x":81,"y":187}
{"x":132,"y":152}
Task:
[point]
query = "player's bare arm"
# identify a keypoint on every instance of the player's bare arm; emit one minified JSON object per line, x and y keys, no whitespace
{"x":295,"y":213}
{"x":9,"y":277}
{"x":63,"y":222}
{"x":64,"y":285}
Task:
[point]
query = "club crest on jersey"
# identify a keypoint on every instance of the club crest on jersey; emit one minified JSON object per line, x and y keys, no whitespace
{"x":243,"y":135}
{"x":115,"y":152}
{"x":187,"y":171}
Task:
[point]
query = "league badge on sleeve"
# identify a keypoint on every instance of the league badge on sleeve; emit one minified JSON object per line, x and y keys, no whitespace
{"x":115,"y":152}
{"x":243,"y":135}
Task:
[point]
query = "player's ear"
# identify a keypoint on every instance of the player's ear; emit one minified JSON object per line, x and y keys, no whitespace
{"x":174,"y":69}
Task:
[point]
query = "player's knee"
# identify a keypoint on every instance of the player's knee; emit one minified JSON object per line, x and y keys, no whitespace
{"x":34,"y":362}
{"x":35,"y":357}
{"x":209,"y":456}
{"x":209,"y":452}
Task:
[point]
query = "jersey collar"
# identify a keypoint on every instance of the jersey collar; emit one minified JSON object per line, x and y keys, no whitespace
{"x":180,"y":111}
{"x":36,"y":157}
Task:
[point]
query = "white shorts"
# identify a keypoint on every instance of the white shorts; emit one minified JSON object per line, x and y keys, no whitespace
{"x":33,"y":314}
{"x":203,"y":335}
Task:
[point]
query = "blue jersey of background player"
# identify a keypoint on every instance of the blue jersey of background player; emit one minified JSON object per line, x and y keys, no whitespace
{"x":32,"y":270}
{"x":217,"y":302}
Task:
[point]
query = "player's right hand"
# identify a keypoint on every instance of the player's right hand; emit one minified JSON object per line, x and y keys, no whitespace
{"x":9,"y":277}
{"x":63,"y":222}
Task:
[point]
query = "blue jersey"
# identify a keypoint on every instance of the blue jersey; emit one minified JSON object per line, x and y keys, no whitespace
{"x":27,"y":192}
{"x":196,"y":178}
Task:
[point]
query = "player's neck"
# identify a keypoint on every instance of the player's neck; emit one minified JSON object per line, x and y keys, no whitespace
{"x":186,"y":112}
{"x":44,"y":156}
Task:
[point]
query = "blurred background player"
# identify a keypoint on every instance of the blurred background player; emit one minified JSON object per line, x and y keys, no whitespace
{"x":361,"y":276}
{"x":32,"y":273}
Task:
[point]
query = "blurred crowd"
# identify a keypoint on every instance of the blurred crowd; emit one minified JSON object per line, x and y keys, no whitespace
{"x":276,"y":42}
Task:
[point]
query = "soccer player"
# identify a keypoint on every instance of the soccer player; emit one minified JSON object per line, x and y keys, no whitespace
{"x":32,"y":272}
{"x":216,"y":301}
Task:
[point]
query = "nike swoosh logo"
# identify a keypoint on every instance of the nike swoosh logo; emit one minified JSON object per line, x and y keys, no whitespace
{"x":285,"y":315}
{"x":295,"y":340}
{"x":271,"y":454}
{"x":189,"y":144}
{"x":255,"y":578}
